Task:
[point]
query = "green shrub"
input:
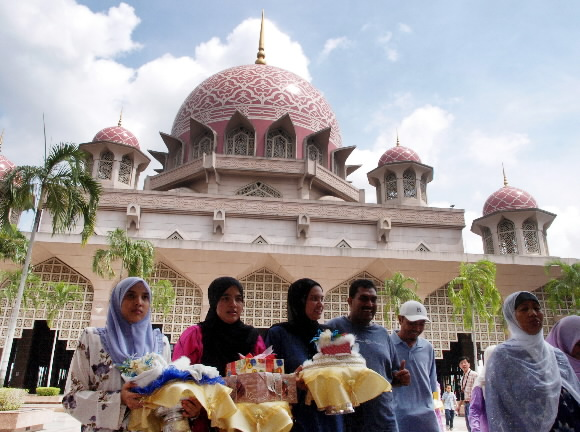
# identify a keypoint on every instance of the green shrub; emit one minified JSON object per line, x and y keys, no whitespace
{"x":11,"y":398}
{"x":47,"y":391}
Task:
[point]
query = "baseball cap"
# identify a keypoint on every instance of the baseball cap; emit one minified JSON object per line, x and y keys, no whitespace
{"x":413,"y":311}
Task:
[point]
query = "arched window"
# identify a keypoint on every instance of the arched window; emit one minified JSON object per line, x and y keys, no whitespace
{"x":314,"y":153}
{"x":126,"y":170}
{"x":259,"y":189}
{"x":508,"y":244}
{"x":530,"y":231}
{"x":487,"y":241}
{"x":240,"y":142}
{"x":423,"y":185}
{"x":409,"y":184}
{"x":106,"y":165}
{"x":204,"y":144}
{"x":279,"y":144}
{"x":391,"y":186}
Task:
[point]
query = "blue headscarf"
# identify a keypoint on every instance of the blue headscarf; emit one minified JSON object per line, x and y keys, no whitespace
{"x":122,"y":339}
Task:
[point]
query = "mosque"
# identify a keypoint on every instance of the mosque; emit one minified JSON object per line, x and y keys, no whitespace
{"x":254,"y":184}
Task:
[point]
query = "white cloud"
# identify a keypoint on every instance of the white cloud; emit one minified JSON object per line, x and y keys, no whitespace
{"x":385,"y":41}
{"x":404,"y":28}
{"x":332,"y":44}
{"x":492,"y":150}
{"x":422,"y":131}
{"x":66,"y":62}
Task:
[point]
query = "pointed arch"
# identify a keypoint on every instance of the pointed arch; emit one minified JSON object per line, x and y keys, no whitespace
{"x":265,"y":298}
{"x":73,"y":319}
{"x":530,"y":233}
{"x":259,"y":189}
{"x":106,"y":165}
{"x":409,"y":184}
{"x":188,"y":301}
{"x":506,"y":230}
{"x":240,"y":137}
{"x":260,"y":240}
{"x":335,"y":299}
{"x":391,"y":186}
{"x":126,"y":170}
{"x":444,"y":329}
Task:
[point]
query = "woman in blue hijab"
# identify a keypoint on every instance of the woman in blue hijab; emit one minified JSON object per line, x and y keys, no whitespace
{"x":95,"y":393}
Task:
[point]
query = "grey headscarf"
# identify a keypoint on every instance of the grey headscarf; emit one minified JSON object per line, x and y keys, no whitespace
{"x":523,"y":382}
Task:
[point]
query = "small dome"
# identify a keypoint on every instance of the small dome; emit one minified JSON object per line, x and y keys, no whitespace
{"x":508,"y":198}
{"x":117,"y":134}
{"x":5,"y":165}
{"x":399,"y":154}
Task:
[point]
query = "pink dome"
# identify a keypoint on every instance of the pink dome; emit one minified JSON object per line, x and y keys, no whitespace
{"x":259,"y":92}
{"x":5,"y":165}
{"x":508,"y":198}
{"x":117,"y":134}
{"x":399,"y":154}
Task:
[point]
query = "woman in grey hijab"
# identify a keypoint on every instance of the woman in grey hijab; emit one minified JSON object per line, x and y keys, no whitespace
{"x":530,"y":385}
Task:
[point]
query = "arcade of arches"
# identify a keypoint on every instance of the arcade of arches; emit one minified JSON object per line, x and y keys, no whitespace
{"x":265,"y":305}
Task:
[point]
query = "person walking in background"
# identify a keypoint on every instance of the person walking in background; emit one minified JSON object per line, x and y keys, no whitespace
{"x":565,"y":335}
{"x":467,"y":382}
{"x":375,"y":345}
{"x":477,"y":411}
{"x":292,"y":341}
{"x":530,"y":385}
{"x":95,"y":393}
{"x":414,"y":406}
{"x":450,"y":403}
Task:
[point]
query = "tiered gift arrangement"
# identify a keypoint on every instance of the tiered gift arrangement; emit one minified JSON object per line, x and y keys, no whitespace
{"x":337,"y":377}
{"x":164,"y":386}
{"x":262,"y":393}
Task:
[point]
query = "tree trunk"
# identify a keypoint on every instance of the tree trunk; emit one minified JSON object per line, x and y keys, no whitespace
{"x":475,"y":356}
{"x":16,"y":309}
{"x":52,"y":357}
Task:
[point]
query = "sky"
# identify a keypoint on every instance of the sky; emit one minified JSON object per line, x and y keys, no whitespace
{"x":469,"y":85}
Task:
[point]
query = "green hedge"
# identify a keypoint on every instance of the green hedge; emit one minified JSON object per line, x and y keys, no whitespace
{"x":11,"y":398}
{"x":47,"y":391}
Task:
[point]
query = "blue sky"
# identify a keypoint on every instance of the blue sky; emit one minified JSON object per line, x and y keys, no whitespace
{"x":467,"y":84}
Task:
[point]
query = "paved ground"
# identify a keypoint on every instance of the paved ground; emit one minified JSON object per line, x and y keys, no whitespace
{"x":62,"y":422}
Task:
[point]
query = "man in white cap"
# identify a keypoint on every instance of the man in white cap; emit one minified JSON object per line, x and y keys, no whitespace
{"x":414,"y":406}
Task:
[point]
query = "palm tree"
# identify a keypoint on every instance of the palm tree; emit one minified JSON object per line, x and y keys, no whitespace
{"x":565,"y":288}
{"x":32,"y":296}
{"x":13,"y":245}
{"x":398,"y":289}
{"x":473,"y":294}
{"x":64,"y":187}
{"x":137,"y":257}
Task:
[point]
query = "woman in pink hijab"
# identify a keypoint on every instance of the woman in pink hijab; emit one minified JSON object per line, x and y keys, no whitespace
{"x":565,"y":335}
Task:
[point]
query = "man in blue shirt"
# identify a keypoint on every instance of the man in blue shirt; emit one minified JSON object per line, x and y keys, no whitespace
{"x":414,"y":406}
{"x":376,"y":347}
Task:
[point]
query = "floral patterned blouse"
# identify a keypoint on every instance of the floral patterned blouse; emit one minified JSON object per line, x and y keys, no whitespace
{"x":93,"y":388}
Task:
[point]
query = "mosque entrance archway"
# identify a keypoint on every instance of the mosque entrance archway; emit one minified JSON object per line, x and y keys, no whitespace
{"x":32,"y":354}
{"x":448,"y":371}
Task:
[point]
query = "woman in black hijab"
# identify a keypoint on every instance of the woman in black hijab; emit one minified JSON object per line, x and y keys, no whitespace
{"x":220,"y":338}
{"x":292,"y":342}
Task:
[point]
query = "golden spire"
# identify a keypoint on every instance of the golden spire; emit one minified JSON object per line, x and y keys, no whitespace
{"x":398,"y":143}
{"x":120,"y":118}
{"x":505,"y":182}
{"x":261,"y":54}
